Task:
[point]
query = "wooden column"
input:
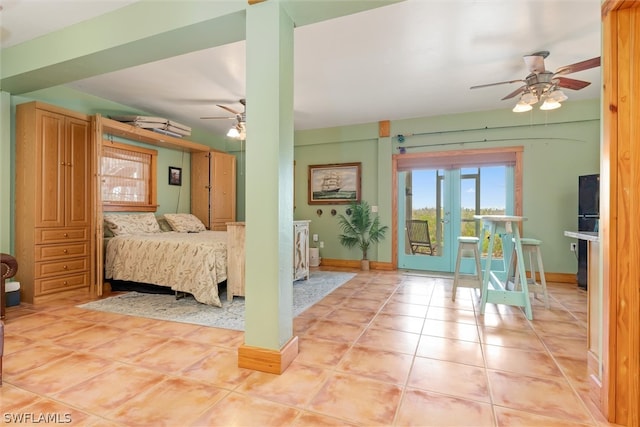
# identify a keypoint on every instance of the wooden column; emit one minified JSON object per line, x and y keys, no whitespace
{"x":620,"y":204}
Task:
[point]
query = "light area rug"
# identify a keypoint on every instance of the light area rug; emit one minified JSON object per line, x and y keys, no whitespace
{"x":230,"y":316}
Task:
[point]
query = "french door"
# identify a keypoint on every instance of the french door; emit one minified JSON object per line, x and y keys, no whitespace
{"x":437,"y":204}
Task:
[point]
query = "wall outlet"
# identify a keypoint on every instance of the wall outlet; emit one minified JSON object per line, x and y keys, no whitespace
{"x":315,"y":237}
{"x":573,"y":247}
{"x":321,"y":245}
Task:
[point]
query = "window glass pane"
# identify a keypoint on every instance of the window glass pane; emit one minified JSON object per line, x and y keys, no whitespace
{"x":425,"y":212}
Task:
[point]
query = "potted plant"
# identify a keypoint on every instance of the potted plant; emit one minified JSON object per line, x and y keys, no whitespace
{"x":361,"y":229}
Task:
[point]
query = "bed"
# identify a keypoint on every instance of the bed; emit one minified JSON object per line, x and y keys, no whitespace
{"x":187,"y":259}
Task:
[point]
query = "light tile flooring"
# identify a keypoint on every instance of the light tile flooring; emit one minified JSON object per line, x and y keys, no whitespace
{"x":386,"y":348}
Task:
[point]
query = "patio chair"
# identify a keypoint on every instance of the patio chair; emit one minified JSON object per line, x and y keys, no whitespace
{"x":419,"y":237}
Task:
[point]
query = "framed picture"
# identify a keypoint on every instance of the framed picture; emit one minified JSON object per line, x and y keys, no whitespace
{"x":334,"y":184}
{"x":175,"y":175}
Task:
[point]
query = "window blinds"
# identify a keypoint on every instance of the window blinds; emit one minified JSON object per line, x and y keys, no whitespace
{"x":125,"y":175}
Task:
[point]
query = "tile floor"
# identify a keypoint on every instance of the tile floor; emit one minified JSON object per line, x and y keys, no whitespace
{"x":386,"y":348}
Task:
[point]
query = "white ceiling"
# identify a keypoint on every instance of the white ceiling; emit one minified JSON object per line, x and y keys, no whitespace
{"x":416,"y":58}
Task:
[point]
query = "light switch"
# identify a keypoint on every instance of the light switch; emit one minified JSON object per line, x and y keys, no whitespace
{"x":374,"y":209}
{"x":315,"y":237}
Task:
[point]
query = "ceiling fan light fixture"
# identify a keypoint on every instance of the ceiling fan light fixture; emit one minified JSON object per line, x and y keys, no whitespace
{"x":550,"y":104}
{"x":233,"y":132}
{"x":529,"y":98}
{"x":558,"y":96}
{"x":521,"y":107}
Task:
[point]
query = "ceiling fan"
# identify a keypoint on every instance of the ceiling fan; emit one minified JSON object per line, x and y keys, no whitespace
{"x":239,"y":130}
{"x":544,"y":85}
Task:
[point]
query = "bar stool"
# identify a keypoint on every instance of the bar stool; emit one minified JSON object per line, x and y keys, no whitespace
{"x":467,"y":243}
{"x":531,"y":247}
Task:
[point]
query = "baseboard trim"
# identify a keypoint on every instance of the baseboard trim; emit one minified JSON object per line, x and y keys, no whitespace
{"x":387,"y":266}
{"x":348,"y":263}
{"x":266,"y":359}
{"x":560,"y":278}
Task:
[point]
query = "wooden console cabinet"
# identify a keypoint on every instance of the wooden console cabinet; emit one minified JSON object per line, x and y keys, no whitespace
{"x":236,"y":255}
{"x":54,"y":199}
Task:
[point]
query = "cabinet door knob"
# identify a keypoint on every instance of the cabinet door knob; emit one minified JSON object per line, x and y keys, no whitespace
{"x":64,"y":283}
{"x":65,"y":251}
{"x":66,"y":235}
{"x":65,"y":267}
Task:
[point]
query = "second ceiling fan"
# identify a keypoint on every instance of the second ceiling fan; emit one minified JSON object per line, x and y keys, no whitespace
{"x":544,"y":85}
{"x":239,"y":130}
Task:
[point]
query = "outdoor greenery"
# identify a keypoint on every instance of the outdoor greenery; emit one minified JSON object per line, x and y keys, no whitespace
{"x":468,"y":227}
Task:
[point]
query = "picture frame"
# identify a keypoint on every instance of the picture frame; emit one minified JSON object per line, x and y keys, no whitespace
{"x":334,"y":184}
{"x":175,"y":175}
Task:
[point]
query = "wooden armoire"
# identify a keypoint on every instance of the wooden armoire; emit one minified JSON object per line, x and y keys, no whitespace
{"x":213,"y":188}
{"x":54,"y":200}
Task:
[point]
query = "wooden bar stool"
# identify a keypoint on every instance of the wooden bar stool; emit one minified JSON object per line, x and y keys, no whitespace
{"x":466,"y":244}
{"x":531,"y":247}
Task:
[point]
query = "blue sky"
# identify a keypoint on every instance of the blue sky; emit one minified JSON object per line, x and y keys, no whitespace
{"x":492,"y":188}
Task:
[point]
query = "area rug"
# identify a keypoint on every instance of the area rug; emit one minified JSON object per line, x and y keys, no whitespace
{"x":230,"y":316}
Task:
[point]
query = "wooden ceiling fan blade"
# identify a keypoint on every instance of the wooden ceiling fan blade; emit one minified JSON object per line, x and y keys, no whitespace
{"x":516,"y":92}
{"x":578,"y":66}
{"x":573,"y":84}
{"x":495,"y":84}
{"x":231,"y":110}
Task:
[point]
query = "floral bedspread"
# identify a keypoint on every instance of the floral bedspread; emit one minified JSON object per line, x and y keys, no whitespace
{"x":186,"y":262}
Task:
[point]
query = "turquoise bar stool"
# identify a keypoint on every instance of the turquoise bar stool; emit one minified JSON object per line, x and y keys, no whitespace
{"x":531,"y":250}
{"x":467,"y":244}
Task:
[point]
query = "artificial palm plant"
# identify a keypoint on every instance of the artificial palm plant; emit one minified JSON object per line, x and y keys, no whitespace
{"x":361,"y":229}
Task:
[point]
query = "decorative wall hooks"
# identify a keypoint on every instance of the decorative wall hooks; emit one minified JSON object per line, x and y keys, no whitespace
{"x":333,"y":212}
{"x":349,"y":211}
{"x":319,"y":212}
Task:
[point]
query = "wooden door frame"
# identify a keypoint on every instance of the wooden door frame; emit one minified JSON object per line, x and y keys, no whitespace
{"x":620,"y":203}
{"x":498,"y":152}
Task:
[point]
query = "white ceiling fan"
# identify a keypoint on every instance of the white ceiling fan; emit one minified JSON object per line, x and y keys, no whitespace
{"x":544,"y":85}
{"x":239,"y":129}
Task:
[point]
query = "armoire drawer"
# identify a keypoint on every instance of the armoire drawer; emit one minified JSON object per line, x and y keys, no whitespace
{"x":57,"y":284}
{"x":68,"y":250}
{"x":60,"y":235}
{"x":65,"y":266}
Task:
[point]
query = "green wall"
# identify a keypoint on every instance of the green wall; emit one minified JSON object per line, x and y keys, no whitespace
{"x":170,"y":198}
{"x":558,"y":147}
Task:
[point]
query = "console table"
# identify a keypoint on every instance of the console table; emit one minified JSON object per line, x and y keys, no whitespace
{"x":500,"y":293}
{"x":236,"y":256}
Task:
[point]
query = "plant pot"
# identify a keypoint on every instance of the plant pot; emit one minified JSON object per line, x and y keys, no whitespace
{"x":364,"y":265}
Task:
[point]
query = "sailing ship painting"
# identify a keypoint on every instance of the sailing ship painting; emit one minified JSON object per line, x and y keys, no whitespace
{"x":331,"y":182}
{"x":334,"y":184}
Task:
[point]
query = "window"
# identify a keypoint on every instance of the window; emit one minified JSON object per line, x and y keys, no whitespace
{"x":128,"y":177}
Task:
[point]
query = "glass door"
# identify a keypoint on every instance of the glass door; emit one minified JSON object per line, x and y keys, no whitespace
{"x":428,"y":219}
{"x":435,"y":206}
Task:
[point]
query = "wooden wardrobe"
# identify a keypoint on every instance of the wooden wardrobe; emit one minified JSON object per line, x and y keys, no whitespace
{"x":213,"y":188}
{"x":54,"y":200}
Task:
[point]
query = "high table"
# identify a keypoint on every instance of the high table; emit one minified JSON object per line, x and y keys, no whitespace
{"x":505,"y":225}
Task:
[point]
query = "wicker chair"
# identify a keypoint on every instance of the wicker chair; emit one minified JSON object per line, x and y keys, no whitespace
{"x":9,"y":267}
{"x":419,"y":237}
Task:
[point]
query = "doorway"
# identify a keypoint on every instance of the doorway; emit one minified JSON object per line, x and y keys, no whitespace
{"x":437,"y":196}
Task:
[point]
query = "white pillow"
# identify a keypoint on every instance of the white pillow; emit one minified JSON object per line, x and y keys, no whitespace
{"x":120,"y":224}
{"x":185,"y":223}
